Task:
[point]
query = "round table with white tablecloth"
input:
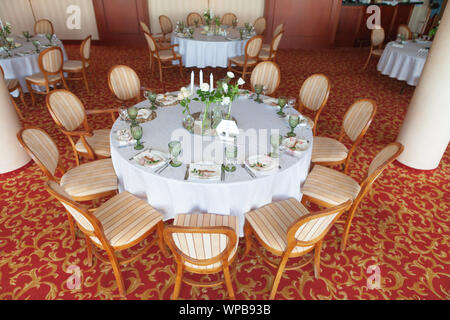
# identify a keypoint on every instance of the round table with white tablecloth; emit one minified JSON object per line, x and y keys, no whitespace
{"x":239,"y":192}
{"x":24,"y":60}
{"x":205,"y":50}
{"x":404,"y":61}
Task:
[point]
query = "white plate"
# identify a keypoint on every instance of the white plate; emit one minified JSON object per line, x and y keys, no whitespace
{"x":295,"y":145}
{"x":166,"y":99}
{"x":124,"y":135}
{"x":262,"y":163}
{"x":151,"y":159}
{"x":205,"y":171}
{"x":271,"y":102}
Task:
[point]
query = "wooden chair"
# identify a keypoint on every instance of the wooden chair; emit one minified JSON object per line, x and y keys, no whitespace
{"x":124,"y":83}
{"x":159,"y":37}
{"x":228,"y":18}
{"x":69,"y":114}
{"x":270,"y":55}
{"x":203,"y":244}
{"x":166,"y":27}
{"x":328,"y":187}
{"x":192,"y":17}
{"x":144,"y":27}
{"x":279,"y":28}
{"x":376,"y":42}
{"x":80,"y":66}
{"x":329,"y":152}
{"x":405,"y":31}
{"x":13,"y":85}
{"x":260,"y":25}
{"x":86,"y":182}
{"x":286,"y":229}
{"x":250,"y":59}
{"x":268,"y":74}
{"x":122,"y":222}
{"x":51,"y":65}
{"x":313,"y":96}
{"x":164,"y":55}
{"x":43,"y":26}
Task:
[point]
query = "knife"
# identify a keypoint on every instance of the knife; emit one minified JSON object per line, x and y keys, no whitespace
{"x":222,"y":174}
{"x":248,"y":171}
{"x":163,"y":167}
{"x":147,"y":149}
{"x":186,"y":175}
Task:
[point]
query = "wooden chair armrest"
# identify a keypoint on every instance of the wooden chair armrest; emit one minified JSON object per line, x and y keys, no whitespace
{"x":79,"y":133}
{"x":99,"y":111}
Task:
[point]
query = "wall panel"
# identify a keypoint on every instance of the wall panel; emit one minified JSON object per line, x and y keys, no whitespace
{"x":18,"y":13}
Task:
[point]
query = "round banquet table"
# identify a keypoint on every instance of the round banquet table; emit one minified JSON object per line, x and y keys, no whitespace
{"x":209,"y":51}
{"x":170,"y":194}
{"x":24,"y":61}
{"x":404,"y":61}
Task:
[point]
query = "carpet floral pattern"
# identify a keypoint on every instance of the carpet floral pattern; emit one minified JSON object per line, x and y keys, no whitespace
{"x":402,"y":226}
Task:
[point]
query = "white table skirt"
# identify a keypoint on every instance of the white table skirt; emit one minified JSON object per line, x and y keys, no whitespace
{"x":405,"y":63}
{"x":213,"y":51}
{"x":19,"y":67}
{"x":170,"y":194}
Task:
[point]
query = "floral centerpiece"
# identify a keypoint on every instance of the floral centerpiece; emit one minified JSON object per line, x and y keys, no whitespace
{"x":184,"y":98}
{"x":208,"y":97}
{"x":229,"y":91}
{"x":207,"y":15}
{"x":180,"y":27}
{"x":5,"y":32}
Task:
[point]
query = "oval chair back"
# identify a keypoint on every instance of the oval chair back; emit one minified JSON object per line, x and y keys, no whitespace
{"x":268,"y":74}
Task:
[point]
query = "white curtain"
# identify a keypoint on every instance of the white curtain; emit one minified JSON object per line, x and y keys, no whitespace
{"x":245,"y":10}
{"x":20,"y":14}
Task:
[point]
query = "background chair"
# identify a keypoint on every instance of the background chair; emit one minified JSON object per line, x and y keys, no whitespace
{"x":260,"y":25}
{"x":327,"y":151}
{"x":268,"y":74}
{"x":228,"y":18}
{"x":405,"y":31}
{"x":192,"y":17}
{"x":124,"y":83}
{"x":286,"y":229}
{"x":51,"y":65}
{"x":119,"y":224}
{"x":327,"y":187}
{"x":144,"y":27}
{"x":43,"y":26}
{"x":277,"y":30}
{"x":250,"y":59}
{"x":313,"y":96}
{"x":80,"y":66}
{"x":166,"y":27}
{"x":13,"y":85}
{"x":271,"y":54}
{"x":376,"y":42}
{"x":203,"y":244}
{"x":69,"y":114}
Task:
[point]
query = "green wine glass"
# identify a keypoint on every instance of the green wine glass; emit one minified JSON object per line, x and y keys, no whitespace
{"x":293,"y":123}
{"x":27,"y":36}
{"x":282,"y":101}
{"x":275,"y":142}
{"x":175,"y":150}
{"x":230,"y":156}
{"x":151,"y":96}
{"x":258,"y":90}
{"x":136,"y":132}
{"x":49,"y":37}
{"x":36,"y":45}
{"x":132,"y":114}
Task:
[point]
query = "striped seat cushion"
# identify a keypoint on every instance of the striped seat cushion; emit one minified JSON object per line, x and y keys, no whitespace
{"x":241,"y":60}
{"x":265,"y":47}
{"x":38,"y":78}
{"x":271,"y":223}
{"x":330,"y":186}
{"x":264,"y":54}
{"x":328,"y":150}
{"x":99,"y":142}
{"x":378,"y":52}
{"x":204,"y":246}
{"x":11,"y":83}
{"x":90,"y":178}
{"x":125,"y":218}
{"x":73,"y":65}
{"x":167,"y":54}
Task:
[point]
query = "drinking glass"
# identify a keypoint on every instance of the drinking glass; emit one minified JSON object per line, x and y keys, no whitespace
{"x":230,"y":157}
{"x":136,"y":132}
{"x":241,"y":33}
{"x":293,"y":123}
{"x":26,"y":34}
{"x":175,"y":150}
{"x":36,"y":44}
{"x":217,"y":116}
{"x":292,"y":102}
{"x":151,"y":96}
{"x":49,"y":37}
{"x":282,"y":103}
{"x":258,"y":90}
{"x":188,"y":122}
{"x":132,"y":114}
{"x":275,"y":142}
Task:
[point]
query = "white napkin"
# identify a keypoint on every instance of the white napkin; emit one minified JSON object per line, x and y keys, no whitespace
{"x":397,"y":45}
{"x":274,"y":166}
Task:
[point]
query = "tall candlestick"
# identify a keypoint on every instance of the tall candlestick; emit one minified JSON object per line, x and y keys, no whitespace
{"x":201,"y":77}
{"x":192,"y":82}
{"x":211,"y":82}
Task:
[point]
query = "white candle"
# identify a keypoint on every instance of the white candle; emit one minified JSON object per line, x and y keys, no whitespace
{"x":211,"y":82}
{"x":1,"y":23}
{"x":192,"y":82}
{"x":201,"y":77}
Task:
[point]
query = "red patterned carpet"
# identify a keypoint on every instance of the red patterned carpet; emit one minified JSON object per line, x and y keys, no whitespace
{"x":402,"y":225}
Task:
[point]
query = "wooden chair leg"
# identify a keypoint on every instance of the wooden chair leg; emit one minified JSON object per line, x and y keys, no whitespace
{"x":176,"y":289}
{"x":64,"y":82}
{"x":72,"y":227}
{"x":86,"y":84}
{"x":367,"y":62}
{"x":181,"y":67}
{"x":243,"y":72}
{"x":117,"y":272}
{"x":89,"y":250}
{"x":348,"y":223}
{"x":317,"y":259}
{"x":30,"y":90}
{"x":19,"y":113}
{"x":248,"y":240}
{"x":229,"y":65}
{"x":21,"y":96}
{"x":277,"y":279}
{"x":160,"y":72}
{"x":162,"y":246}
{"x":226,"y":274}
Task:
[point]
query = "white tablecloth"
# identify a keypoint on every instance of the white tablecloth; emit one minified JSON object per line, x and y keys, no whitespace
{"x":404,"y":62}
{"x":24,"y":64}
{"x":239,"y":193}
{"x":209,"y":51}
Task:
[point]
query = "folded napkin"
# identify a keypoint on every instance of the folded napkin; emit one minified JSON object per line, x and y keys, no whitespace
{"x":397,"y":45}
{"x":204,"y":172}
{"x":124,"y":138}
{"x":272,"y":167}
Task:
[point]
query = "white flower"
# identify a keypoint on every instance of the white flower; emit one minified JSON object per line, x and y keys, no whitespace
{"x":230,"y":74}
{"x":204,"y":87}
{"x":185,"y":92}
{"x":180,"y":96}
{"x":226,"y":101}
{"x":225,"y":87}
{"x":241,"y":81}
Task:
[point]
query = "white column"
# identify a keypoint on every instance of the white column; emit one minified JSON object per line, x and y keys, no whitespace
{"x":12,"y":155}
{"x":425,"y":132}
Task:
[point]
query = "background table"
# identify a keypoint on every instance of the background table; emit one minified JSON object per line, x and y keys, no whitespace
{"x":171,"y":194}
{"x":209,"y":51}
{"x":404,"y":63}
{"x":23,"y":64}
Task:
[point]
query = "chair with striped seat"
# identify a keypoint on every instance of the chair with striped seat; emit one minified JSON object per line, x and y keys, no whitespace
{"x":270,"y":55}
{"x":328,"y":187}
{"x":249,"y":59}
{"x":376,"y":42}
{"x":124,"y":83}
{"x":203,"y":244}
{"x":329,"y":152}
{"x":405,"y":31}
{"x":228,"y":18}
{"x":13,"y":85}
{"x":260,"y":25}
{"x":288,"y":230}
{"x":69,"y":114}
{"x":159,"y":37}
{"x":313,"y":96}
{"x":166,"y":27}
{"x":164,"y":56}
{"x":279,"y":28}
{"x":193,"y":17}
{"x":89,"y":181}
{"x":268,"y":75}
{"x":43,"y":26}
{"x":80,"y":66}
{"x":51,"y":65}
{"x":122,"y":222}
